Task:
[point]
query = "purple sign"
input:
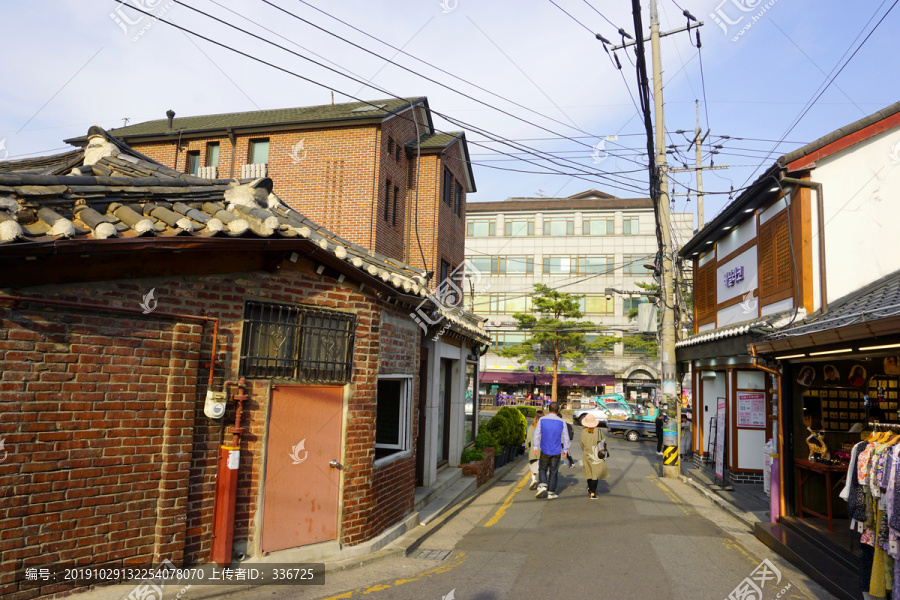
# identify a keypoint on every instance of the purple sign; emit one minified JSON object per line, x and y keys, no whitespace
{"x":734,"y":276}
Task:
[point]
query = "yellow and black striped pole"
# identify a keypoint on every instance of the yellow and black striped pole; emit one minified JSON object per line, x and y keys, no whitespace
{"x":670,"y":455}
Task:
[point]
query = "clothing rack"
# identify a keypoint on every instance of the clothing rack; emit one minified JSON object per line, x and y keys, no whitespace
{"x":875,"y":425}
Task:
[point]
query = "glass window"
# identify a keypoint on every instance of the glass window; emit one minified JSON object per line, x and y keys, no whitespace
{"x":392,"y":417}
{"x":212,"y":154}
{"x":259,"y":152}
{"x":482,"y":263}
{"x":387,"y":201}
{"x":558,"y":265}
{"x":482,"y":304}
{"x":596,"y":305}
{"x":506,"y":339}
{"x":390,"y":145}
{"x":559,"y":227}
{"x":481,"y":228}
{"x":458,"y":198}
{"x":192,"y":162}
{"x":632,"y":304}
{"x":634,"y":264}
{"x":599,"y":226}
{"x":516,"y":303}
{"x":518,"y":228}
{"x":448,"y":188}
{"x":630,"y":226}
{"x":596,"y":264}
{"x":396,"y":202}
{"x":629,"y":350}
{"x":519,"y":265}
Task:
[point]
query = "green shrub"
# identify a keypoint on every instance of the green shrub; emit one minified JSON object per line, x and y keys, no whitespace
{"x":470,"y":455}
{"x":528,"y":411}
{"x":518,"y":423}
{"x":484,"y":439}
{"x":497,"y":427}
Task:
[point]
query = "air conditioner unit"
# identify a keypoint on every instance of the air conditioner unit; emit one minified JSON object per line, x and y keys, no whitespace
{"x":253,"y":171}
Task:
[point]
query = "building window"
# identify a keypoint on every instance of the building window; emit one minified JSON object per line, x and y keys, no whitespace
{"x":559,"y":227}
{"x":396,"y":203}
{"x":296,"y":342}
{"x":212,"y":154}
{"x":607,"y":350}
{"x":577,"y":265}
{"x":775,"y":271}
{"x":518,"y":227}
{"x":705,"y":292}
{"x":630,"y":226}
{"x":507,"y":339}
{"x":387,"y":201}
{"x":259,"y":152}
{"x":632,"y":304}
{"x":448,"y":188}
{"x":393,"y":420}
{"x":390,"y":146}
{"x":628,"y":350}
{"x":598,"y":226}
{"x":596,"y":304}
{"x":397,"y":152}
{"x":458,"y":198}
{"x":634,"y":265}
{"x":504,"y":265}
{"x":192,"y":162}
{"x":481,"y":228}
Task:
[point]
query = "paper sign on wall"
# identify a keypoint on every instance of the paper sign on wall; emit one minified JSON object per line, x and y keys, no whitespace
{"x":751,"y":410}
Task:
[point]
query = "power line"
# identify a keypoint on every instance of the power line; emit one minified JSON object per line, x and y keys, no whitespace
{"x":536,"y":153}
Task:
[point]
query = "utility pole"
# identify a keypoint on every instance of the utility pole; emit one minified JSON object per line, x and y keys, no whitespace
{"x":699,"y":165}
{"x":669,"y":381}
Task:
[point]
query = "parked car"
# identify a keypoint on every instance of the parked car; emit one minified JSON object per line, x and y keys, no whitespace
{"x":599,"y":412}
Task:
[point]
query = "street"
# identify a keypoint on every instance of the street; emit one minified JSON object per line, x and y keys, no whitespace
{"x":645,"y":537}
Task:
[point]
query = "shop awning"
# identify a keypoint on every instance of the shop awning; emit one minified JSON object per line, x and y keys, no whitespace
{"x":506,"y":377}
{"x":575,"y":379}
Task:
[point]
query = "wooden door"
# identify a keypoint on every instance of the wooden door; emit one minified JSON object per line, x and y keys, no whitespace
{"x":301,"y":492}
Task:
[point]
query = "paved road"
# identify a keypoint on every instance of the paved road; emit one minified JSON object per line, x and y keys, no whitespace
{"x":646,"y":537}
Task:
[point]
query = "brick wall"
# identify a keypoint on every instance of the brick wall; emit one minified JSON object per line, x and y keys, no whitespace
{"x":110,"y":455}
{"x":339,"y":180}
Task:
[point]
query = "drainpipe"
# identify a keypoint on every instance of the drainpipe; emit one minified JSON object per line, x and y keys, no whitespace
{"x":780,"y":408}
{"x":225,"y":498}
{"x":820,"y":204}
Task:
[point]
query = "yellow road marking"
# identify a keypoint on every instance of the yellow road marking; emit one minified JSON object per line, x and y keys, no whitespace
{"x":671,"y":495}
{"x":507,"y":502}
{"x":457,"y":560}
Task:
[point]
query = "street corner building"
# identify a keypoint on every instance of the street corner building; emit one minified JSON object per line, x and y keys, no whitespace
{"x":797,"y":340}
{"x":161,"y":330}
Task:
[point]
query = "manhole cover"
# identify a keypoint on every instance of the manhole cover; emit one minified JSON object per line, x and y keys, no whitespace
{"x":431,"y":554}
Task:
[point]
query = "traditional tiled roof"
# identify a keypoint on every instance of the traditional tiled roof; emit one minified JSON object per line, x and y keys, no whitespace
{"x":736,"y":329}
{"x":435,"y":141}
{"x":349,"y":111}
{"x":878,"y":300}
{"x":112,"y":192}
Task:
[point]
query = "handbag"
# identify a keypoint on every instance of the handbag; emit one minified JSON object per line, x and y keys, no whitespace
{"x":601,"y":450}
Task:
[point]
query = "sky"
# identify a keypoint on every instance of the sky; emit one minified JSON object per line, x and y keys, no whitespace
{"x":529,"y":73}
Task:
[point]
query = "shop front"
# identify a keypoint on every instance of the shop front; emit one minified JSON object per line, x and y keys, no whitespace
{"x":534,"y":387}
{"x":841,"y":418}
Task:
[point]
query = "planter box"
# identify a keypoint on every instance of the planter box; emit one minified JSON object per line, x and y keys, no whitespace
{"x":483,"y":469}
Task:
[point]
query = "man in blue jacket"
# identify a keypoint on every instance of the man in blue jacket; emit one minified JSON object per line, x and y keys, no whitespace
{"x":551,"y":441}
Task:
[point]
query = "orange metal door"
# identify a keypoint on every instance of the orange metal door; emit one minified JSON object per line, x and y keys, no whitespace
{"x":302,"y":490}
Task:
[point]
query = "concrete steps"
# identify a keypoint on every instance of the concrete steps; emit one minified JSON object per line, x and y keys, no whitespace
{"x":450,"y":488}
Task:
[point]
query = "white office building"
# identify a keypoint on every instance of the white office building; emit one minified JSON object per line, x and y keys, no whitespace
{"x":582,"y":244}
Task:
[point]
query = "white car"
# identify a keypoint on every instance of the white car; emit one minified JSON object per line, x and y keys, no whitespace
{"x":600,"y":413}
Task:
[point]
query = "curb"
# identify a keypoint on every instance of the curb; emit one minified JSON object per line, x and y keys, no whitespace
{"x":404,"y":545}
{"x":746,"y":518}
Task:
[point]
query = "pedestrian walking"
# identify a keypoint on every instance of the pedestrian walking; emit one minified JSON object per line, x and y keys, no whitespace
{"x":658,"y":421}
{"x":551,"y":441}
{"x":569,"y":458}
{"x":686,"y":437}
{"x":595,"y":467}
{"x":529,"y":447}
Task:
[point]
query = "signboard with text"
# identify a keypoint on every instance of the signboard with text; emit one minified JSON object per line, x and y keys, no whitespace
{"x":751,"y":410}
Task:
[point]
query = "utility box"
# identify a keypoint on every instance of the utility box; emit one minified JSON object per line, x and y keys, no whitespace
{"x":647,"y":321}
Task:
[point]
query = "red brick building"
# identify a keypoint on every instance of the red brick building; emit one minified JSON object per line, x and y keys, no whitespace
{"x":374,"y":173}
{"x":128,"y":292}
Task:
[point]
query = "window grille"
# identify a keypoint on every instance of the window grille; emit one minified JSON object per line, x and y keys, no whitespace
{"x":297,"y":342}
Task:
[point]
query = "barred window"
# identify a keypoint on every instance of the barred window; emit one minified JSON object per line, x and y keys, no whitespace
{"x":297,"y":342}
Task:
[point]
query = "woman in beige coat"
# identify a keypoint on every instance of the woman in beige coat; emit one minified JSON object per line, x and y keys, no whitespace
{"x":594,"y":468}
